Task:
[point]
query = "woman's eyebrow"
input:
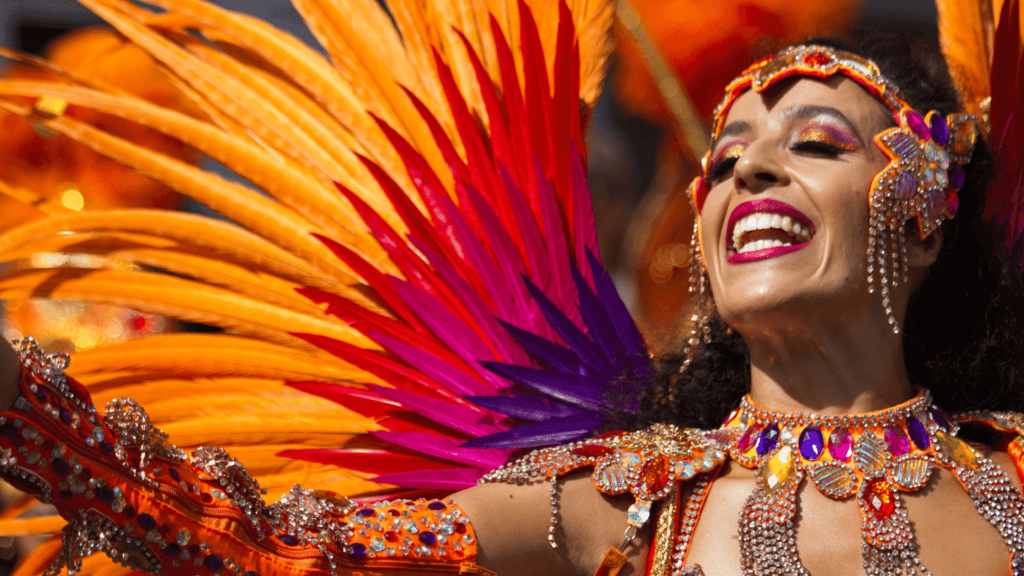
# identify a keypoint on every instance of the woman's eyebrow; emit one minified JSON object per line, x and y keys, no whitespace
{"x":736,"y":127}
{"x":808,"y":111}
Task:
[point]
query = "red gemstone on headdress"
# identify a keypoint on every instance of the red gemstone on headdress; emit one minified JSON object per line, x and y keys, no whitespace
{"x":879,"y":498}
{"x":819,"y":59}
{"x":917,"y":124}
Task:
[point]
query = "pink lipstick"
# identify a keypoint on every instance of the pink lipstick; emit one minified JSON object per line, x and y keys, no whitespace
{"x":786,"y":220}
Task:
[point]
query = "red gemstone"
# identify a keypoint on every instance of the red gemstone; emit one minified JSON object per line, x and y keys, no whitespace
{"x":592,"y":451}
{"x":880,"y":498}
{"x":655,"y":474}
{"x":819,"y":59}
{"x":460,"y":528}
{"x":394,"y":512}
{"x":390,"y":536}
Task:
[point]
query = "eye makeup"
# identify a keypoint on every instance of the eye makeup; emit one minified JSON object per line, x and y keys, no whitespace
{"x":724,"y":157}
{"x":828,"y":134}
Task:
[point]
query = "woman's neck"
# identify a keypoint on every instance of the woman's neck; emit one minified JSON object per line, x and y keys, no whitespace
{"x":828,"y":370}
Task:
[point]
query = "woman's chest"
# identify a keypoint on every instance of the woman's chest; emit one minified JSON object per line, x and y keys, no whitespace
{"x":948,"y":534}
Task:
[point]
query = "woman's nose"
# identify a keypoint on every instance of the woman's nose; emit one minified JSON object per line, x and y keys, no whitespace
{"x":759,"y":168}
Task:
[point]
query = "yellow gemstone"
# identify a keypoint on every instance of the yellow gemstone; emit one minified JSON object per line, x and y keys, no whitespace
{"x":956,"y":450}
{"x":778,"y":469}
{"x":51,"y":106}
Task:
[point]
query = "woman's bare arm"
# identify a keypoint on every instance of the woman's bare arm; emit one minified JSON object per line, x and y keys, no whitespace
{"x":512,"y":528}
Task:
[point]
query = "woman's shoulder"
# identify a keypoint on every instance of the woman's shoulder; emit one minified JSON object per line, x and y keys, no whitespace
{"x":584,"y":497}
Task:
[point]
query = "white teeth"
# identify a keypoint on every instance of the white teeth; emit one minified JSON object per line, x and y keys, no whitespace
{"x":767,"y":221}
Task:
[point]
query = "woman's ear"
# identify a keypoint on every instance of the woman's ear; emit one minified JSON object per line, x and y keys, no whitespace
{"x":922,"y":253}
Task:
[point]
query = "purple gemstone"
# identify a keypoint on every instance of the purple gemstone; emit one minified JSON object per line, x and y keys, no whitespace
{"x":65,"y":415}
{"x":40,"y":395}
{"x":61,"y":467}
{"x":437,"y":506}
{"x":897,"y":440}
{"x":956,"y":175}
{"x":357,"y":550}
{"x":288,"y":540}
{"x":171,"y":550}
{"x":106,"y":495}
{"x":747,"y":440}
{"x":428,"y":538}
{"x":106,"y":446}
{"x":8,"y":431}
{"x":812,"y":443}
{"x":367,"y":512}
{"x":250,"y":573}
{"x":129,"y":511}
{"x":174,"y":474}
{"x":146,"y":521}
{"x":917,"y":125}
{"x":940,"y":130}
{"x":768,"y":438}
{"x":939,"y":416}
{"x":214,"y":562}
{"x":840,"y":444}
{"x":918,"y":433}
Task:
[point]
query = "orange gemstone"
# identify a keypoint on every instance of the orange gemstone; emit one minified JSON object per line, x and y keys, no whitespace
{"x":880,"y":498}
{"x":655,"y":474}
{"x":592,"y":451}
{"x":817,"y":59}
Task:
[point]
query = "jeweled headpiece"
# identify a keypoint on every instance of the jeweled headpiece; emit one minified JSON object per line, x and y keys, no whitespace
{"x":926,"y":155}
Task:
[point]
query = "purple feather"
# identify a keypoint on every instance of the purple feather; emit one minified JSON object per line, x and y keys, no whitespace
{"x":625,"y":327}
{"x":453,"y":416}
{"x":551,"y":354}
{"x":546,"y":433}
{"x":568,"y":388}
{"x":524,"y":406}
{"x":445,"y":448}
{"x":572,"y":335}
{"x":448,"y":479}
{"x":599,"y":324}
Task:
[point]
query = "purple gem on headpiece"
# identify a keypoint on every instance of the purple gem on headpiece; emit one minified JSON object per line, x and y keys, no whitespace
{"x":939,"y":416}
{"x":916,"y":124}
{"x":956,"y":176}
{"x":940,"y":129}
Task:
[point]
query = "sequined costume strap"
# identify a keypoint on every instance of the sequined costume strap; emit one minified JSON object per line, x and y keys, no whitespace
{"x":128,"y":492}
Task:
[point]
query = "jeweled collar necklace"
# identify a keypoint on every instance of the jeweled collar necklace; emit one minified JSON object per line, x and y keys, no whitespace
{"x":873,"y":457}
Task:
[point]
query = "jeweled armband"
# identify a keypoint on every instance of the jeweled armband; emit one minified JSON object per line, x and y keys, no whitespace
{"x":128,"y":492}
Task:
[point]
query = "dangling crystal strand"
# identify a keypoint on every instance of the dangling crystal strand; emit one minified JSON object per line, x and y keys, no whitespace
{"x":903,"y":256}
{"x":687,"y":525}
{"x":700,"y":286}
{"x":553,"y":491}
{"x":767,"y":533}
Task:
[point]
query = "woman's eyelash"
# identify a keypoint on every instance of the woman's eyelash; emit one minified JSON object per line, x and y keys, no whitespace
{"x":724,"y":160}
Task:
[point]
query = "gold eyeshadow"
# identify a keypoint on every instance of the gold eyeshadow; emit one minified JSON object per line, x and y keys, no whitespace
{"x":729,"y":151}
{"x":829,"y":134}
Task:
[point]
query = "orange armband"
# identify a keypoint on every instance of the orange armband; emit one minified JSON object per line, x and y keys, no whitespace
{"x":128,"y":492}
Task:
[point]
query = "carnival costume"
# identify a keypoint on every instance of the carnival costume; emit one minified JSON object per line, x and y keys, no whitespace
{"x":427,"y":188}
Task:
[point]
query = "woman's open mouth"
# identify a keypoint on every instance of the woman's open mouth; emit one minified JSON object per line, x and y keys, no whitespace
{"x":762,"y":229}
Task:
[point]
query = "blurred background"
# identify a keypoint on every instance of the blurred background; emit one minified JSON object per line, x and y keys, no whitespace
{"x":639,"y":170}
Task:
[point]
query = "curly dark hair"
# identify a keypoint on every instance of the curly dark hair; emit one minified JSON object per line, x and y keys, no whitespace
{"x":964,"y":330}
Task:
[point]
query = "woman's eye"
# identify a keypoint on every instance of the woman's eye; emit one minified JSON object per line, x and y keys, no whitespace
{"x":818,"y":147}
{"x":721,"y":168}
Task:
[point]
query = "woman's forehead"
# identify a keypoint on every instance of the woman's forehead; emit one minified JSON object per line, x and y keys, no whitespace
{"x":802,"y":97}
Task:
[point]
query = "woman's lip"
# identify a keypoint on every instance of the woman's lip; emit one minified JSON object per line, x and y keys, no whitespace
{"x":764,"y":205}
{"x":763,"y":254}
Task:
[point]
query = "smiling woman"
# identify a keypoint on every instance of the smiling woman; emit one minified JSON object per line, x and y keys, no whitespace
{"x":851,"y":290}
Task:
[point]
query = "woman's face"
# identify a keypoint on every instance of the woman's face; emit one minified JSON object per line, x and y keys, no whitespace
{"x":784,"y":228}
